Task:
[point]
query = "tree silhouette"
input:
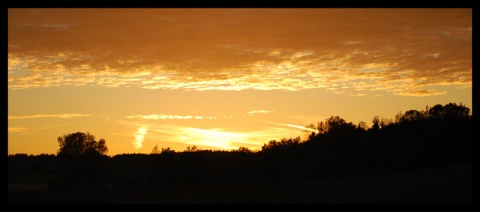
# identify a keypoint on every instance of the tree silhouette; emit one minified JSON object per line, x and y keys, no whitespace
{"x":81,"y":144}
{"x":412,"y":115}
{"x":244,"y":149}
{"x":193,"y":148}
{"x":167,"y":150}
{"x":155,"y":150}
{"x":82,"y":160}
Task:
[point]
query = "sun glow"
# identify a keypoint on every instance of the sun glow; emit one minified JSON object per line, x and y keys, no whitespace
{"x":212,"y":137}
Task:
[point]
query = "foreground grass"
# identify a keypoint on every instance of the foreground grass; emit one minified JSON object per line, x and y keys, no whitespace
{"x":448,"y":184}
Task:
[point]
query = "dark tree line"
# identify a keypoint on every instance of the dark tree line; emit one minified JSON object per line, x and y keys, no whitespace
{"x":437,"y":136}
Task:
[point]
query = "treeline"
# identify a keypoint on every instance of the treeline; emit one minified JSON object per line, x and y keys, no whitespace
{"x":437,"y":136}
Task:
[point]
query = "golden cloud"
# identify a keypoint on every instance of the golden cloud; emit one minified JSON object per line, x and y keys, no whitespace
{"x":239,"y":49}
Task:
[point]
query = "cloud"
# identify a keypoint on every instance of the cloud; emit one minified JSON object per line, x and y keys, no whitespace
{"x":57,"y":26}
{"x":168,"y":117}
{"x":259,"y":111}
{"x":421,"y":93}
{"x":187,"y":117}
{"x":53,"y":126}
{"x":209,"y":137}
{"x":139,"y":137}
{"x":346,"y":51}
{"x":294,"y":126}
{"x":218,"y":138}
{"x":17,"y":129}
{"x":25,"y":130}
{"x":60,"y":115}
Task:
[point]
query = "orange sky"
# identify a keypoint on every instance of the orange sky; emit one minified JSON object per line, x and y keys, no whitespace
{"x":224,"y":78}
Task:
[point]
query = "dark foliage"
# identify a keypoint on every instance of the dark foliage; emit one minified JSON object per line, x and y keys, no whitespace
{"x":439,"y":135}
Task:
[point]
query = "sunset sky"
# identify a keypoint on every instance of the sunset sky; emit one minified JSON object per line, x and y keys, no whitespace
{"x":221,"y":79}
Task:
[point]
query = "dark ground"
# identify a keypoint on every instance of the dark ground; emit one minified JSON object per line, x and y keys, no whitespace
{"x":447,"y":184}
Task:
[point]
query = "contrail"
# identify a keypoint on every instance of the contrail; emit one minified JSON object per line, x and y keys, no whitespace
{"x":294,"y":126}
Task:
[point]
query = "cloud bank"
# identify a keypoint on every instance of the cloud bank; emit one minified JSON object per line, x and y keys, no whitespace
{"x":347,"y":51}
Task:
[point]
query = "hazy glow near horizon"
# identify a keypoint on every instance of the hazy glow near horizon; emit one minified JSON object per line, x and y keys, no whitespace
{"x":224,"y":78}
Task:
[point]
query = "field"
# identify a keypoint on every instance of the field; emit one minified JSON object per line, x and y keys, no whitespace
{"x":448,"y":184}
